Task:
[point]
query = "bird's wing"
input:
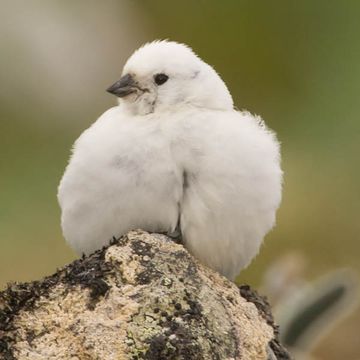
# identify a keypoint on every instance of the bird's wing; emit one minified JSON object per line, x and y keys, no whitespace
{"x":233,"y":188}
{"x":120,"y":177}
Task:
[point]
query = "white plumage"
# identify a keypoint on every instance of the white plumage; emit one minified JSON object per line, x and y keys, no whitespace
{"x":174,"y":152}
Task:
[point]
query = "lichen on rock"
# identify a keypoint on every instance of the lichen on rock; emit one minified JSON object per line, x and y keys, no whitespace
{"x":143,"y":297}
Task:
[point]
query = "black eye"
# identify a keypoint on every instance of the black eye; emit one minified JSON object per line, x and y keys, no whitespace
{"x":160,"y":78}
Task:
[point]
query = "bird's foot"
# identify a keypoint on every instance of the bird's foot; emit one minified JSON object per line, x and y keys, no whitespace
{"x":175,"y":235}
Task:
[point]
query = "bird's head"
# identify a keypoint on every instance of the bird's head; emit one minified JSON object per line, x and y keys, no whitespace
{"x":164,"y":74}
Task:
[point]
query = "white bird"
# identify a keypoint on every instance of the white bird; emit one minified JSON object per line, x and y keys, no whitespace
{"x":174,"y":152}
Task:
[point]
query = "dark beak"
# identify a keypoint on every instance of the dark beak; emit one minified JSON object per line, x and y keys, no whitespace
{"x":123,"y":87}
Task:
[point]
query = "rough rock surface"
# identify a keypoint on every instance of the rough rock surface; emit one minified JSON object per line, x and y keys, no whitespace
{"x":143,"y":297}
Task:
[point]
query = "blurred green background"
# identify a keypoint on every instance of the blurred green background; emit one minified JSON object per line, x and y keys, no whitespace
{"x":295,"y":63}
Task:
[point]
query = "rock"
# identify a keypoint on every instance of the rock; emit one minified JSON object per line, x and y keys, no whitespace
{"x":143,"y":297}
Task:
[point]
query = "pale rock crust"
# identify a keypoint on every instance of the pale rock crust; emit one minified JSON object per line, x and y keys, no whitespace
{"x":144,"y":297}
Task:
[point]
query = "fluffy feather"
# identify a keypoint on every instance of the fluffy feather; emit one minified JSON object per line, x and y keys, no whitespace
{"x":174,"y":152}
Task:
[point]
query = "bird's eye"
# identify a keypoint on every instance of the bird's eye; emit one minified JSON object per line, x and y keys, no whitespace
{"x":160,"y":79}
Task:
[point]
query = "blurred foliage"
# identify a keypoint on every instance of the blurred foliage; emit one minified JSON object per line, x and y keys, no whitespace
{"x":295,"y":63}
